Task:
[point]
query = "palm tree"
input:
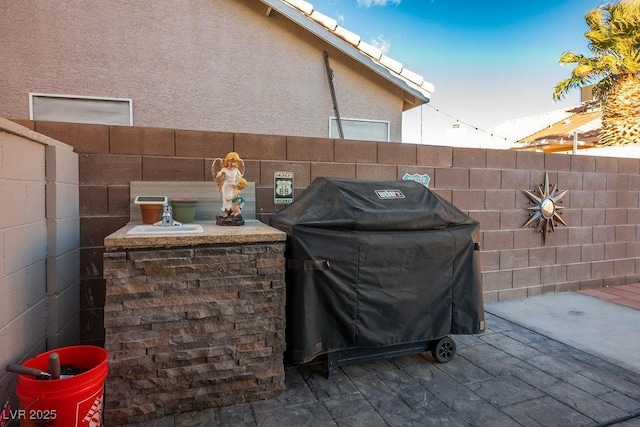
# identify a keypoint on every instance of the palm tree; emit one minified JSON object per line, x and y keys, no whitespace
{"x":614,"y":40}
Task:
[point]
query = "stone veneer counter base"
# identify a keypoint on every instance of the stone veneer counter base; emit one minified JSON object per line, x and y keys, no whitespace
{"x":193,"y":321}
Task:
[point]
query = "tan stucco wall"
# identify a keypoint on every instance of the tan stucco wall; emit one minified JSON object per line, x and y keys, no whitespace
{"x":219,"y":65}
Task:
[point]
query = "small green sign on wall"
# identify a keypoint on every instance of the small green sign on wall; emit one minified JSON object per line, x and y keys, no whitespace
{"x":422,"y":179}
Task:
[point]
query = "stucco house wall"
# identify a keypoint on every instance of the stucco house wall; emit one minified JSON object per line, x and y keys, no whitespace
{"x":201,"y":65}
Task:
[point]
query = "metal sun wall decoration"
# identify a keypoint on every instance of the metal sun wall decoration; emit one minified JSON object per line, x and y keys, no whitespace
{"x":546,"y":212}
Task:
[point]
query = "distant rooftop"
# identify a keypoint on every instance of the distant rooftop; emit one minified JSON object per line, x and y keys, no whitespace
{"x":304,"y":14}
{"x":521,"y":128}
{"x":582,"y":123}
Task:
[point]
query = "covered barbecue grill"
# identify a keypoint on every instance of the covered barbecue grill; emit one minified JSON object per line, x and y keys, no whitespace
{"x":377,"y":269}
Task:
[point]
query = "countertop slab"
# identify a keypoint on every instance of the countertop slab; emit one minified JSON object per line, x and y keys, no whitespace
{"x":253,"y":231}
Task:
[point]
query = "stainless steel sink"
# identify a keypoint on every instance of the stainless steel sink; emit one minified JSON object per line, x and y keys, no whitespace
{"x":150,"y":229}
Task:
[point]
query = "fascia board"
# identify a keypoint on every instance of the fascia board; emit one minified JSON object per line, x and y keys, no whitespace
{"x":347,"y":48}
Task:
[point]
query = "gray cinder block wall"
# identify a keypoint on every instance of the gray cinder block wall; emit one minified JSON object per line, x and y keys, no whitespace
{"x":600,"y":245}
{"x":39,"y":246}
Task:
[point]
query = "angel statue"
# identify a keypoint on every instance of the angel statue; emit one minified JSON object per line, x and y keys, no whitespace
{"x":226,"y":174}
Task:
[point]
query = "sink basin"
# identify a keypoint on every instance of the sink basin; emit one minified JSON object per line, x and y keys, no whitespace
{"x":150,"y":229}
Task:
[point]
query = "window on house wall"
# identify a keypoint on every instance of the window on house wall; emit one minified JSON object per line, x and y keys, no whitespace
{"x":369,"y":130}
{"x":80,"y":109}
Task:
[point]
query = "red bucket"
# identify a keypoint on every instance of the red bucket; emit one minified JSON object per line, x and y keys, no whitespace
{"x":69,"y":402}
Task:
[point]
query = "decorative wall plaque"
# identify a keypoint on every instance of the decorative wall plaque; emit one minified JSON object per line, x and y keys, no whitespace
{"x":282,"y":187}
{"x":545,"y":213}
{"x":420,"y":178}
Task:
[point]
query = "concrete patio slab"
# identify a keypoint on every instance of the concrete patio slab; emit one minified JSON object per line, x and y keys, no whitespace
{"x":593,"y":325}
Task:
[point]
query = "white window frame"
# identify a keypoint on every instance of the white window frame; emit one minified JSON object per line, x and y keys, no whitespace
{"x":128,"y":101}
{"x":333,"y":119}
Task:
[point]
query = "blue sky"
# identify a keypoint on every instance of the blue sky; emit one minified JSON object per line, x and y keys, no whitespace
{"x":490,"y":61}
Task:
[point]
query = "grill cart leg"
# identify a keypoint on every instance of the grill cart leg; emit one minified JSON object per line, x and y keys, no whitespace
{"x":444,"y":349}
{"x":332,"y":364}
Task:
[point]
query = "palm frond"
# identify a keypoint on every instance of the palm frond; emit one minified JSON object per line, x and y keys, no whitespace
{"x":567,"y":85}
{"x":614,"y":40}
{"x":603,"y":87}
{"x":570,"y":58}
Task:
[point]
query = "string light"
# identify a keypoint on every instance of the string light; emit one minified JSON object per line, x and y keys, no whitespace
{"x":458,"y":122}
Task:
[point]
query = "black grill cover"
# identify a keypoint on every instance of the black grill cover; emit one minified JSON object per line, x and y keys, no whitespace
{"x":377,"y":263}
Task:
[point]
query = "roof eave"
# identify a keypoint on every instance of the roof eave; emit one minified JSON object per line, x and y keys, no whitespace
{"x":420,"y":94}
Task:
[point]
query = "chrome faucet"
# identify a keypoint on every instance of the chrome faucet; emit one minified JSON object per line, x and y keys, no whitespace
{"x":167,"y":216}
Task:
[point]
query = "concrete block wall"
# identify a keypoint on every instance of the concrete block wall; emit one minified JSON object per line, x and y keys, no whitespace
{"x":598,"y":247}
{"x":39,"y":246}
{"x":63,"y":245}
